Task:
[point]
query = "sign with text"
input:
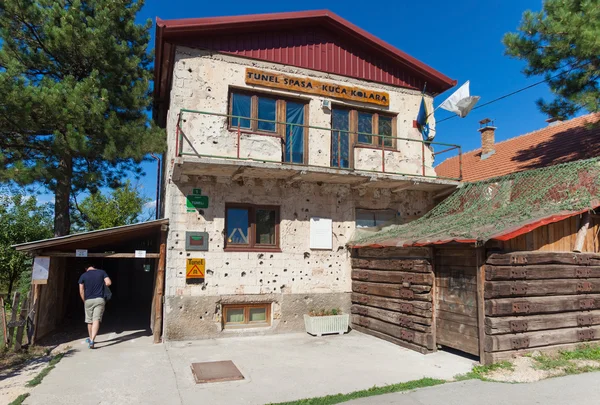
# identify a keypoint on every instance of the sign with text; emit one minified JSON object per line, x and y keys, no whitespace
{"x":41,"y":269}
{"x":196,"y":241}
{"x":313,"y":86}
{"x":195,"y":201}
{"x":140,"y":254}
{"x":80,"y":252}
{"x":194,"y":268}
{"x":321,"y":233}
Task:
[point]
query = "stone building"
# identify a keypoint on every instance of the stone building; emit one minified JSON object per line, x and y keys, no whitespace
{"x":285,"y":133}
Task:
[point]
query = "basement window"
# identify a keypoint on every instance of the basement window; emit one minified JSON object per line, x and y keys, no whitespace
{"x":251,"y":227}
{"x":246,"y":315}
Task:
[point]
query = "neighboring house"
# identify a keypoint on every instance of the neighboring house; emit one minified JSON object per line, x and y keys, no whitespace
{"x":559,"y":142}
{"x":507,"y":264}
{"x":273,"y":159}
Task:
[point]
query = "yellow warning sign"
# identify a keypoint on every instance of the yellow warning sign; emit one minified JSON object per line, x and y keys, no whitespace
{"x":194,"y":268}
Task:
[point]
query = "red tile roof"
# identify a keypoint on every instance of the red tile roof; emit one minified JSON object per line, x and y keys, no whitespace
{"x":567,"y":141}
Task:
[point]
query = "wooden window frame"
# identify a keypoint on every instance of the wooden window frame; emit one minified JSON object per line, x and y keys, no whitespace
{"x":353,"y":127}
{"x":252,"y":246}
{"x":280,"y":115}
{"x":246,"y":323}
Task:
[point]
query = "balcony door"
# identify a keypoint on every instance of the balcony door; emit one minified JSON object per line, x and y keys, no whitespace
{"x":293,"y":146}
{"x":340,"y":138}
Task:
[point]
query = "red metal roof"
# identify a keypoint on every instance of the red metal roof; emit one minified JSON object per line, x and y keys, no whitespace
{"x":317,"y":40}
{"x":567,"y":141}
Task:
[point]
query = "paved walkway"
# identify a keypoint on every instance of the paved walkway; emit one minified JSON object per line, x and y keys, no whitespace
{"x":127,"y":368}
{"x":574,"y":389}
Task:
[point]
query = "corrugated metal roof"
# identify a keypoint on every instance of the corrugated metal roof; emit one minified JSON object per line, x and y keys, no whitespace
{"x":317,"y":40}
{"x":91,"y":235}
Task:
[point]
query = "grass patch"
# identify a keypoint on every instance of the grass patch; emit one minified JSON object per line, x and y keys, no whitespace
{"x":480,"y":372}
{"x":339,"y":398}
{"x":566,"y":361}
{"x":51,"y":364}
{"x":19,"y":400}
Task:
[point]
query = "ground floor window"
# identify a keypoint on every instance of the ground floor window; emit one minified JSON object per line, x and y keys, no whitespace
{"x":366,"y":218}
{"x":251,"y":227}
{"x":246,"y":315}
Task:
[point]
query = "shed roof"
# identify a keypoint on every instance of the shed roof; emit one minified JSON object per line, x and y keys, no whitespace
{"x":499,"y":208}
{"x":85,"y":240}
{"x":318,"y":40}
{"x":567,"y":141}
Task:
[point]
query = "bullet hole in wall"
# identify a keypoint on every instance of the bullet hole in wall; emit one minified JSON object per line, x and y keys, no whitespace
{"x":295,"y":215}
{"x":306,"y":255}
{"x":210,"y":272}
{"x":260,"y":281}
{"x":284,"y":270}
{"x":270,"y":257}
{"x":188,"y":254}
{"x":225,"y":275}
{"x":226,"y":263}
{"x":190,"y":70}
{"x":292,"y":278}
{"x":180,"y":253}
{"x":260,"y":255}
{"x":260,"y":262}
{"x":200,"y":212}
{"x":243,"y":274}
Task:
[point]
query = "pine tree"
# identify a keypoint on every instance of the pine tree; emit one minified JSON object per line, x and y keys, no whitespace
{"x":562,"y":43}
{"x":74,"y":95}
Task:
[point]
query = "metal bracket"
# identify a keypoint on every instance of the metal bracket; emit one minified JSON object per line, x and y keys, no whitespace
{"x":407,"y":335}
{"x":518,"y":289}
{"x":362,"y":288}
{"x":362,"y":300}
{"x":518,"y":326}
{"x":406,"y":322}
{"x":407,"y":308}
{"x":586,"y":334}
{"x":409,"y":278}
{"x":586,"y":303}
{"x":583,"y":273}
{"x":520,"y":307}
{"x":518,"y":259}
{"x":584,"y":286}
{"x":519,"y":343}
{"x":406,"y":293}
{"x":518,"y":273}
{"x":585,"y":320}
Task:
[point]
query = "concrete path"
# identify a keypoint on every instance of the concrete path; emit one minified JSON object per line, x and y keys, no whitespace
{"x":574,"y":389}
{"x":129,"y":369}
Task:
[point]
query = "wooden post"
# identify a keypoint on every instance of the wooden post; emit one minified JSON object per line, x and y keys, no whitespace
{"x":4,"y":331}
{"x":160,"y":286}
{"x":22,"y":323}
{"x":36,"y":309}
{"x":433,"y":299}
{"x":582,"y":232}
{"x":480,"y":254}
{"x":13,"y":317}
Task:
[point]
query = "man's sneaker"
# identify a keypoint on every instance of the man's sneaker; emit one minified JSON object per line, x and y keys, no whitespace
{"x":91,"y":344}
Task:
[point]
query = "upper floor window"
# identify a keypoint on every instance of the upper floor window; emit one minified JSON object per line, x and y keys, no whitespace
{"x":254,"y":112}
{"x":356,"y":127}
{"x":368,"y":218}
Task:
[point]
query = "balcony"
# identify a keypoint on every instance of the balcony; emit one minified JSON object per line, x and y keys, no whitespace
{"x":224,"y":145}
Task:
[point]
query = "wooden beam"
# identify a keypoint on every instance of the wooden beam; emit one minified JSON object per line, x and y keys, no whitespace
{"x":103,"y":255}
{"x":159,"y":289}
{"x":480,"y":254}
{"x":434,"y":292}
{"x":582,"y":232}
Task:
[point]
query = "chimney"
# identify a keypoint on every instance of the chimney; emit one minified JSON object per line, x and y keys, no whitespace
{"x":487,"y":129}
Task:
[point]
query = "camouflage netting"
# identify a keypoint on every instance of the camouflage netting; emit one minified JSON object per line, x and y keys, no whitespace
{"x":487,"y":209}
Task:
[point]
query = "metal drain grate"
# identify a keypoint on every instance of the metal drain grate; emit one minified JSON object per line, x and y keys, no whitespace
{"x":215,"y":371}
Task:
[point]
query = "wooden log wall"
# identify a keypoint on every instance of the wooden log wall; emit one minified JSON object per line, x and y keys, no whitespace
{"x":392,"y":291}
{"x":540,"y":301}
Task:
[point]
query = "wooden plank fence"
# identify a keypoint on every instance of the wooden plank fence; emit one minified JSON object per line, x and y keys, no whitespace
{"x":14,"y":328}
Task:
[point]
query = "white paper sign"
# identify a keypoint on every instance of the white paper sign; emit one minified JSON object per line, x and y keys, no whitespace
{"x":80,"y":252}
{"x":140,"y":254}
{"x":321,"y":234}
{"x":41,"y":268}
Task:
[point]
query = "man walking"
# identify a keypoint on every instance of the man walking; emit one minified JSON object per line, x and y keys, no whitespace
{"x":92,"y":284}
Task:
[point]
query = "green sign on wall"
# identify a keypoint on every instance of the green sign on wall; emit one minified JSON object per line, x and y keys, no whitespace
{"x":195,"y":201}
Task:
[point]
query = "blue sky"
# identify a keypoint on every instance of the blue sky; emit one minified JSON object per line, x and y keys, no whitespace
{"x":461,"y":39}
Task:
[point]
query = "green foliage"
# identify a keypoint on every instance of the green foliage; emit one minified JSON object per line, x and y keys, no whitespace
{"x":566,"y":361}
{"x":339,"y":398}
{"x":37,"y":380}
{"x":74,"y":79}
{"x":563,"y":39}
{"x":480,"y":372}
{"x":325,"y":312}
{"x":123,"y":206}
{"x":22,"y":219}
{"x":19,"y":400}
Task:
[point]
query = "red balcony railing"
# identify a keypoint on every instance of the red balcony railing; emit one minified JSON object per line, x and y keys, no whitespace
{"x":343,"y":144}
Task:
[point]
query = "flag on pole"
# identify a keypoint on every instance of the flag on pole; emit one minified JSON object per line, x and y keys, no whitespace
{"x":460,"y":102}
{"x":423,"y":118}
